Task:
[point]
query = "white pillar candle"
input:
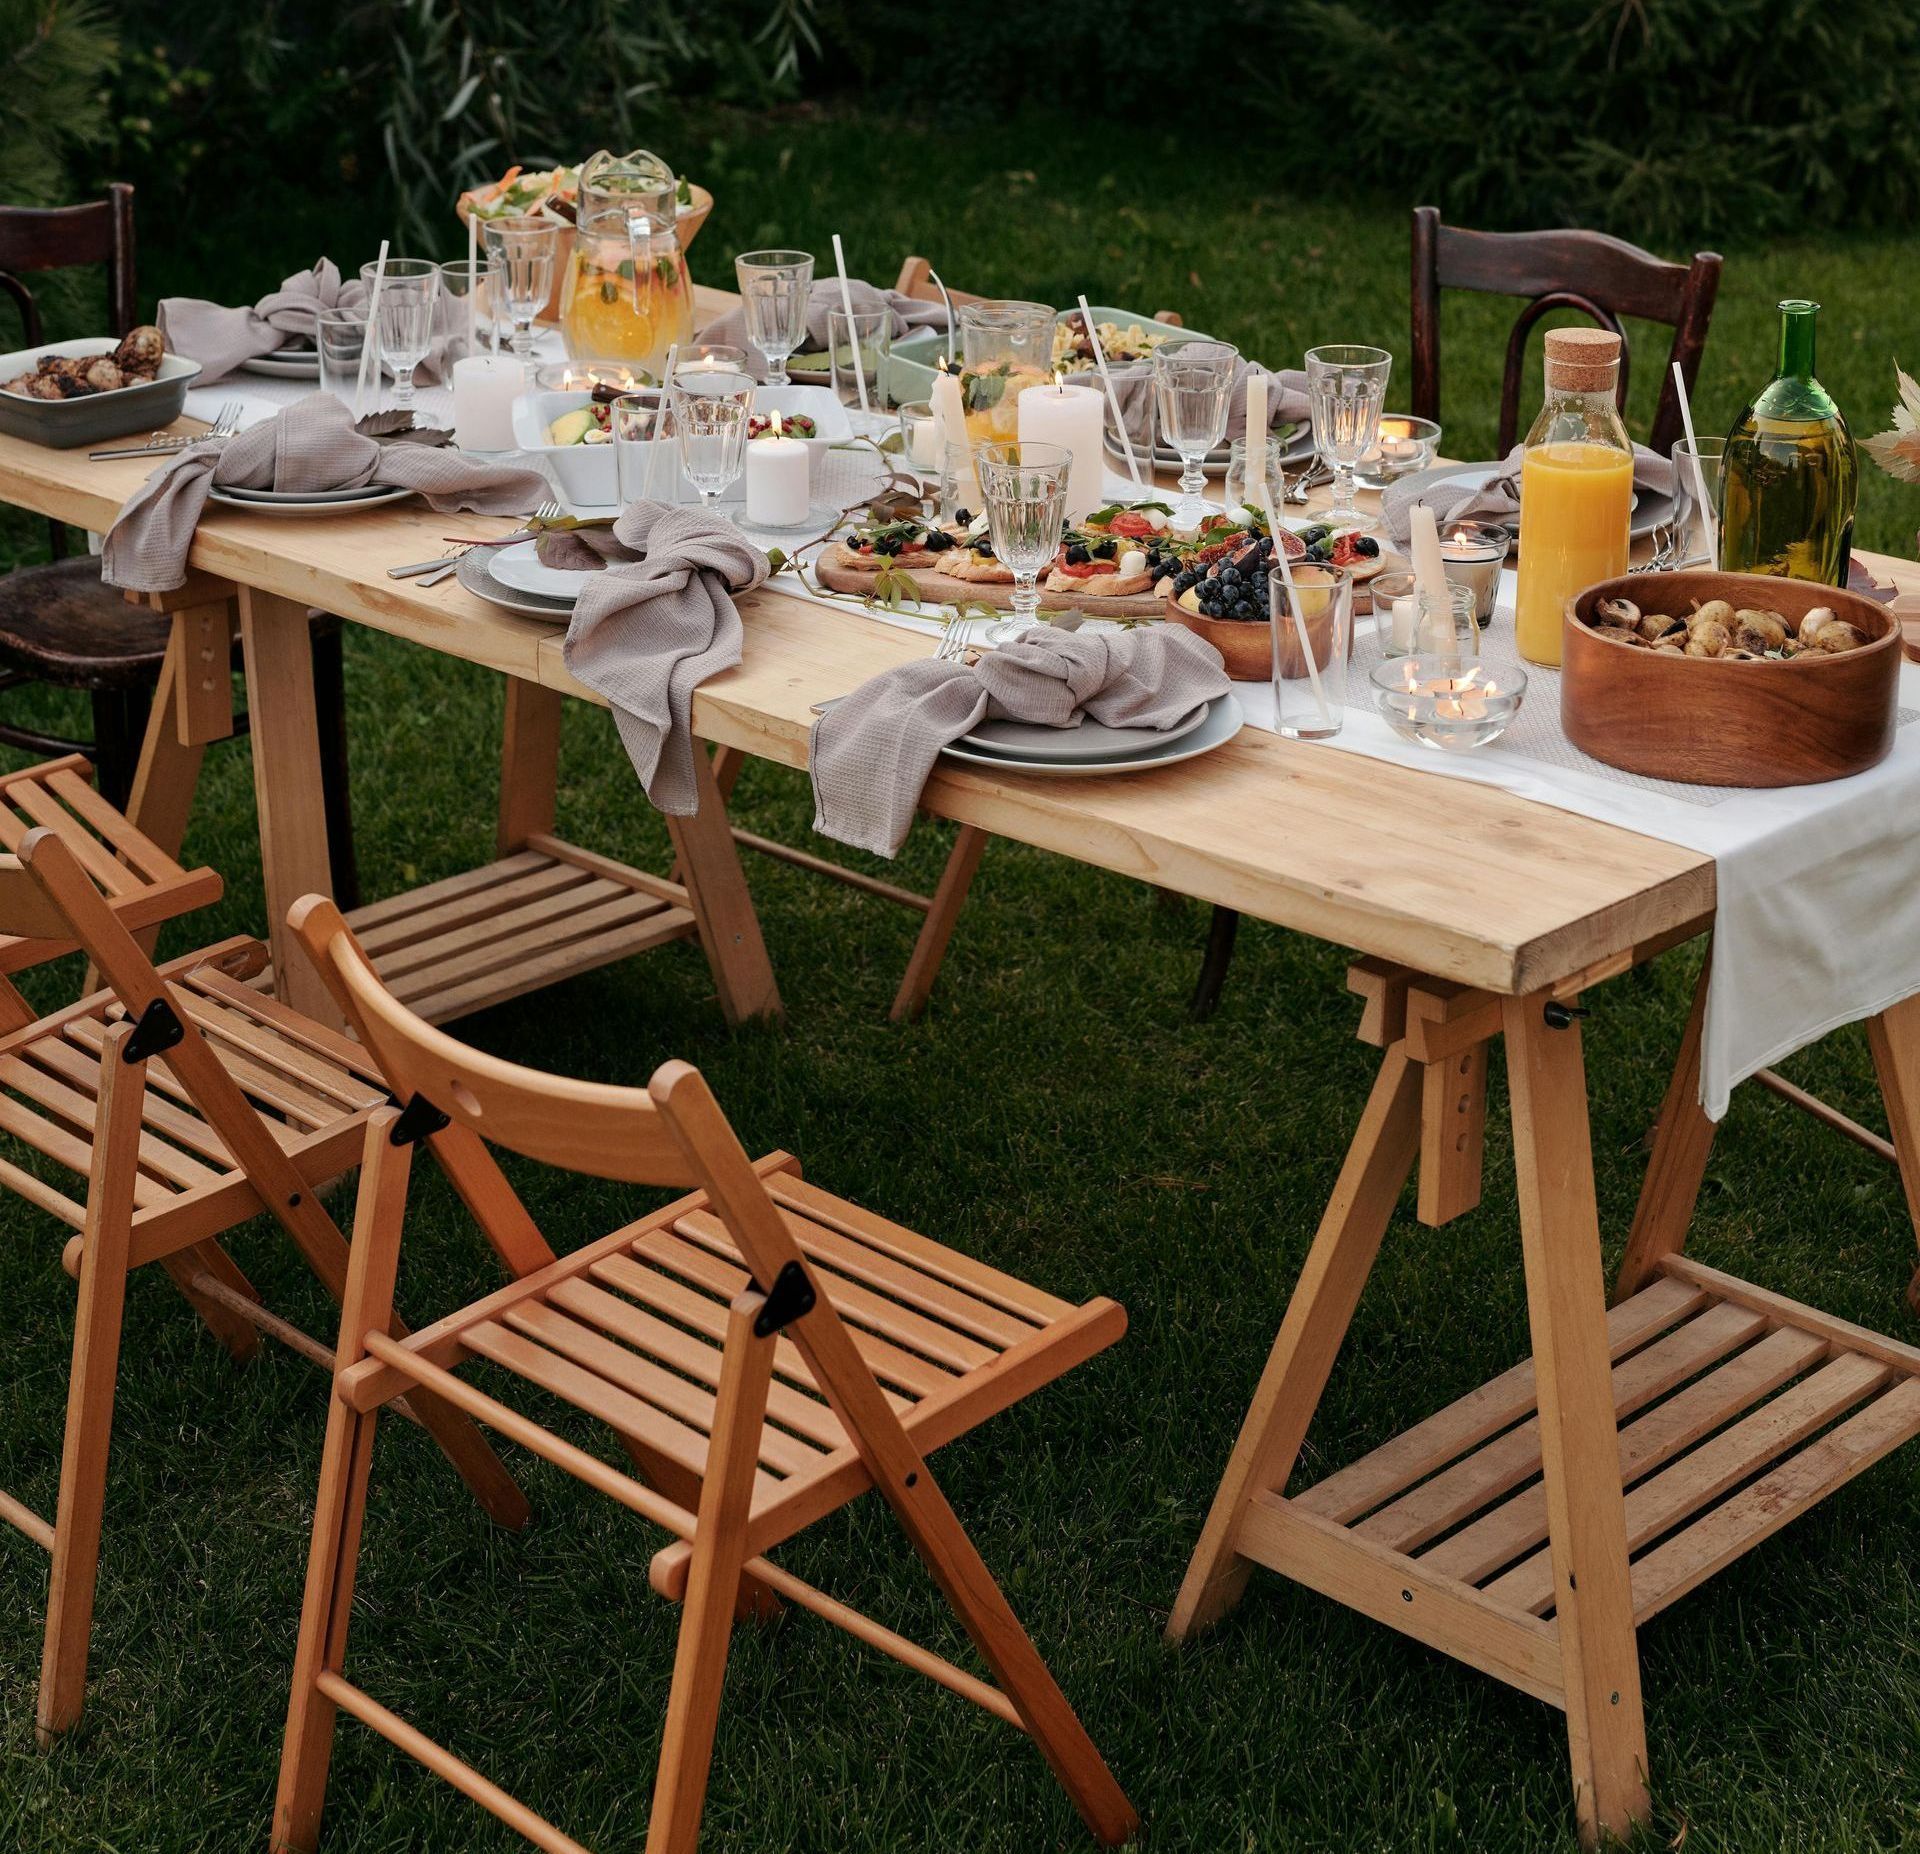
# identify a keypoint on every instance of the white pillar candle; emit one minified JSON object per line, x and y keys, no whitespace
{"x":776,"y":482}
{"x":1406,"y":622}
{"x":949,"y":409}
{"x":1073,"y":417}
{"x":1255,"y":442}
{"x":484,"y":389}
{"x":1429,"y":564}
{"x":925,"y":454}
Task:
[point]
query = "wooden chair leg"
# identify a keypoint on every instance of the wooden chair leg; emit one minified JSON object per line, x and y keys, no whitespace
{"x":330,"y":710}
{"x":340,"y":1511}
{"x":1222,"y":931}
{"x":713,"y":1584}
{"x":1579,"y":1443}
{"x":1894,"y":1038}
{"x":239,"y":1335}
{"x":1316,"y":1322}
{"x":90,"y":1391}
{"x":1682,"y":1142}
{"x":930,"y":948}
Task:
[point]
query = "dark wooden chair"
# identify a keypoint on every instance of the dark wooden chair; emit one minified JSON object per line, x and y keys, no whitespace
{"x":58,"y":624}
{"x":1605,"y":279}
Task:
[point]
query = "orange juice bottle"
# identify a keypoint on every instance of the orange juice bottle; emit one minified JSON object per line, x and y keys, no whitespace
{"x":1576,"y":487}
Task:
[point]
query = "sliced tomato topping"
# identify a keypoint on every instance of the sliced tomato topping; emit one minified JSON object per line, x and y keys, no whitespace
{"x":1130,"y":524}
{"x":1344,"y":553}
{"x":1086,"y":569}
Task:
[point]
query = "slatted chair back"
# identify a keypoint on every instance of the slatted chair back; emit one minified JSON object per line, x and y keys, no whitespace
{"x":1603,"y":278}
{"x":140,"y":881}
{"x":589,"y":1127}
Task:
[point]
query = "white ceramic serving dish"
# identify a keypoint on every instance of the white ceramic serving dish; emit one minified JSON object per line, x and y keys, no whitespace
{"x":66,"y":424}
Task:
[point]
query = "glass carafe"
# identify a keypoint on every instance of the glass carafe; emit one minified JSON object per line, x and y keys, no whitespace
{"x":627,"y":296}
{"x":1576,"y":488}
{"x":1791,"y":471}
{"x":1005,"y":347}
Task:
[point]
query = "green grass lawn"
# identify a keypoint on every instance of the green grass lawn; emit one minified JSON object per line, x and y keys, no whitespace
{"x":1055,"y":1114}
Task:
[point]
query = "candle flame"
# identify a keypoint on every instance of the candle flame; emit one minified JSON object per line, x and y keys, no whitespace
{"x":1059,"y":381}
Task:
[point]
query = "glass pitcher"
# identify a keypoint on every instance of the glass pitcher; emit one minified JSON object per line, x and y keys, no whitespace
{"x":627,"y":296}
{"x":1006,"y":347}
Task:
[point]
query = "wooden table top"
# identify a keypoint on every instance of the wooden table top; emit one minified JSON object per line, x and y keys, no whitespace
{"x":1459,"y":880}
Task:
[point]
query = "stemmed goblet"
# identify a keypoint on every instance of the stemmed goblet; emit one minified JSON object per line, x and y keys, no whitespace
{"x":409,"y":294}
{"x":520,"y":259}
{"x":1192,"y":383}
{"x":774,"y":291}
{"x":711,"y":407}
{"x":1346,"y":387}
{"x":1024,"y":487}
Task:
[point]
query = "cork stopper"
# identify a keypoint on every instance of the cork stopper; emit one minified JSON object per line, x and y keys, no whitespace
{"x":1582,"y":360}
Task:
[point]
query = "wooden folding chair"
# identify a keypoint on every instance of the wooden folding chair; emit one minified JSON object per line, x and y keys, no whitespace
{"x":189,"y":1102}
{"x":764,"y":1351}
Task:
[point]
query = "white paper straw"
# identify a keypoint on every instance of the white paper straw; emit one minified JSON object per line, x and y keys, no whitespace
{"x":1708,"y":514}
{"x":373,"y":326}
{"x":659,"y":418}
{"x":1113,"y":398}
{"x":1253,"y":451}
{"x":473,"y":284}
{"x":853,"y":334}
{"x":1293,"y":605}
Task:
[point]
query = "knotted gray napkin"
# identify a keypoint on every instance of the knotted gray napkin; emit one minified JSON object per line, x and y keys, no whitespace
{"x":647,"y":634}
{"x":220,"y":338}
{"x":908,"y":312}
{"x":1498,"y":498}
{"x":871,"y":752}
{"x":310,"y":445}
{"x":1133,"y":387}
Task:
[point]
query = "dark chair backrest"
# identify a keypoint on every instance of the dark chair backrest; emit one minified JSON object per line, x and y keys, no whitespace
{"x":1603,"y":278}
{"x":34,"y":238}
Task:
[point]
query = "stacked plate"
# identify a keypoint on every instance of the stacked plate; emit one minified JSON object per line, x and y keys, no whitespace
{"x":289,"y":363}
{"x":1650,"y":510}
{"x":1092,"y":751}
{"x":513,"y":579}
{"x":1299,"y":451}
{"x":307,"y":502}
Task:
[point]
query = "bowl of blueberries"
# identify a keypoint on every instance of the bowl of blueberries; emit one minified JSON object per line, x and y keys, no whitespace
{"x":1224,"y":599}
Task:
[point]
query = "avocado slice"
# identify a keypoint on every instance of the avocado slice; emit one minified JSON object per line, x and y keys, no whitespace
{"x":571,"y":427}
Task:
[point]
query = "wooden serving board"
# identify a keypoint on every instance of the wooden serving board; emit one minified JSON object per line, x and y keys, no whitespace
{"x":943,"y":589}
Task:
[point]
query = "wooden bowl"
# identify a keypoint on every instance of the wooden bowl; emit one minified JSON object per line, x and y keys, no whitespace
{"x":1246,"y":646}
{"x":1705,"y":721}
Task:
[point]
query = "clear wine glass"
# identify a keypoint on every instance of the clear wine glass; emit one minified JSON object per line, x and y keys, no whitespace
{"x":711,"y":408}
{"x":409,"y":294}
{"x":520,"y":259}
{"x":1192,"y":383}
{"x":1346,"y":386}
{"x":775,"y":287}
{"x":1024,"y":487}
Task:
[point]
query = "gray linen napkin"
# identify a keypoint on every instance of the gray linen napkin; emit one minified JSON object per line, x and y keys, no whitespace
{"x":1133,"y":387}
{"x":220,"y":339}
{"x":309,"y":445}
{"x":908,"y":312}
{"x":871,"y":753}
{"x":647,"y":634}
{"x":1498,"y":498}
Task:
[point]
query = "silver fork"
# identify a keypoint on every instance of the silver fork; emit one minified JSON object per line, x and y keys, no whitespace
{"x":432,"y":572}
{"x":1666,"y":543}
{"x":955,"y":641}
{"x":224,"y":426}
{"x":1309,"y":479}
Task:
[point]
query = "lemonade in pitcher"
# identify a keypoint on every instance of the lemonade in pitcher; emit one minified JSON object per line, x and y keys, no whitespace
{"x":626,"y":295}
{"x":1006,"y":347}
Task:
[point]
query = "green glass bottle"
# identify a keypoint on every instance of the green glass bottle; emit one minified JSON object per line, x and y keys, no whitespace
{"x":1792,"y":473}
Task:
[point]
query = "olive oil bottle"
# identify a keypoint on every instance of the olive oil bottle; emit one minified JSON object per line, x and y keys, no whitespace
{"x":1792,"y":473}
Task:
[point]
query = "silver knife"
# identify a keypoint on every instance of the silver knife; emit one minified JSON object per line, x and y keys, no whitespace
{"x":152,"y":449}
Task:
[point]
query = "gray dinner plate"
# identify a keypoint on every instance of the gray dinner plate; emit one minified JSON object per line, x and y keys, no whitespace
{"x":1224,"y":719}
{"x":1650,"y":511}
{"x":1299,"y":451}
{"x":367,"y":492}
{"x":1091,"y":740}
{"x":301,"y":365}
{"x":476,"y":574}
{"x":324,"y":502}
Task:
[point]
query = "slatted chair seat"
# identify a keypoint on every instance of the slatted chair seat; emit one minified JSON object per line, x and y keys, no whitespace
{"x":764,"y":1351}
{"x":630,"y":1329}
{"x":311,"y":1089}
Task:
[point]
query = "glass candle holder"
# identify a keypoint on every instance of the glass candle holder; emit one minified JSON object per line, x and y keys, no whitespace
{"x":1437,"y":702}
{"x":1236,"y":490}
{"x":1407,"y":622}
{"x":583,"y":376}
{"x":1402,"y":445}
{"x":1474,"y":553}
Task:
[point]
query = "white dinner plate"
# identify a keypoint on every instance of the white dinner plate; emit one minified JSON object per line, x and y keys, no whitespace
{"x":366,"y":492}
{"x":308,"y":506}
{"x":1299,"y":451}
{"x":475,"y":573}
{"x":1224,"y":719}
{"x":1091,"y":740}
{"x":518,"y":567}
{"x":302,"y":364}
